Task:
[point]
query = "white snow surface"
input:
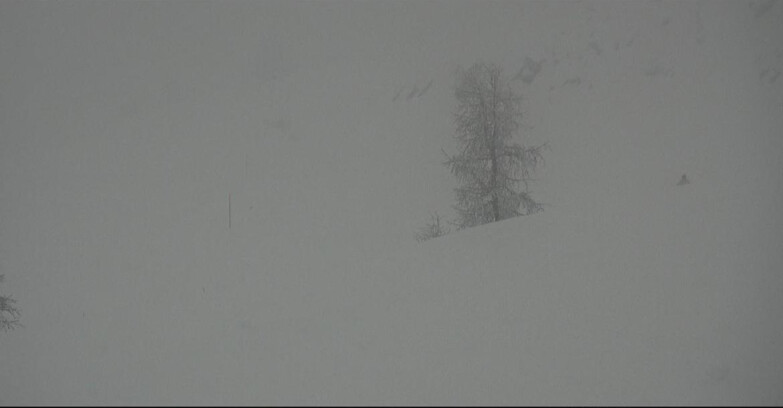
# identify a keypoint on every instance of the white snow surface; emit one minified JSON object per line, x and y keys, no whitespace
{"x":125,"y":126}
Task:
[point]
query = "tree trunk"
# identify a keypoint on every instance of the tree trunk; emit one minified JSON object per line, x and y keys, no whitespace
{"x":495,"y":204}
{"x":493,"y":147}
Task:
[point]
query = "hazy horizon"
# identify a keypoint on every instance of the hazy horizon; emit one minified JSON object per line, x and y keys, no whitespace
{"x":126,"y":126}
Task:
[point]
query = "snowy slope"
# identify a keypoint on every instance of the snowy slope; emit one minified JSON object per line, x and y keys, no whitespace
{"x":125,"y":127}
{"x":676,"y":305}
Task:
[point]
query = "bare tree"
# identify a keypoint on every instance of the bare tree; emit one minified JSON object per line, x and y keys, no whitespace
{"x":432,"y":229}
{"x":9,"y":314}
{"x":492,"y":170}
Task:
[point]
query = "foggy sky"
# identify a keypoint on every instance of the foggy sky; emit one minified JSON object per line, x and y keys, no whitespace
{"x":125,"y":126}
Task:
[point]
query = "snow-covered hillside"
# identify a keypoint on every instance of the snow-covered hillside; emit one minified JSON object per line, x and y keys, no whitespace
{"x":676,"y":304}
{"x":125,"y":128}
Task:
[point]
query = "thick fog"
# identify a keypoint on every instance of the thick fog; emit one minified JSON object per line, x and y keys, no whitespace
{"x":215,"y":202}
